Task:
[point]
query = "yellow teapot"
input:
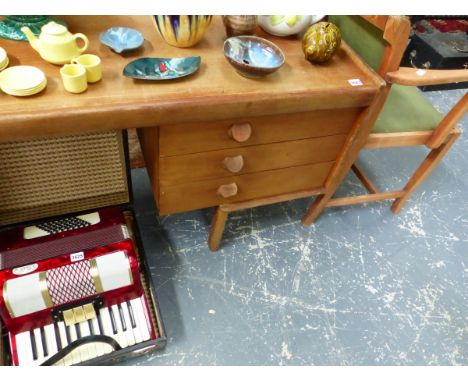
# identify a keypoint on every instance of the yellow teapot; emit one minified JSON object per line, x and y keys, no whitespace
{"x":56,"y":44}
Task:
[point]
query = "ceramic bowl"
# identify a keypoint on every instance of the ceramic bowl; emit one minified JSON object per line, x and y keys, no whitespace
{"x":120,"y":39}
{"x":283,"y":25}
{"x":253,"y":56}
{"x":162,"y":68}
{"x":182,"y":31}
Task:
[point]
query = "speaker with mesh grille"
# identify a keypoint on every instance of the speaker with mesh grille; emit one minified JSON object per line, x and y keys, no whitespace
{"x":55,"y":176}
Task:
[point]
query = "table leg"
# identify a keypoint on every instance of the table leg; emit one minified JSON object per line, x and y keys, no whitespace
{"x":217,"y":228}
{"x":356,"y":140}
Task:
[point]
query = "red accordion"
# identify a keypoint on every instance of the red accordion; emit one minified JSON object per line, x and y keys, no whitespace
{"x":71,"y":290}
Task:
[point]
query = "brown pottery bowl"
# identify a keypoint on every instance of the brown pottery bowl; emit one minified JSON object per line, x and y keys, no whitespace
{"x":253,"y":56}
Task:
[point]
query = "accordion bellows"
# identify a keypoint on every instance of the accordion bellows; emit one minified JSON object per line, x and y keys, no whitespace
{"x":45,"y":177}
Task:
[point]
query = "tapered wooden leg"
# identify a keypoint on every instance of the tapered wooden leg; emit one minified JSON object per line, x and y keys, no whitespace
{"x":423,"y":171}
{"x":217,"y":228}
{"x":315,"y":209}
{"x":356,"y":140}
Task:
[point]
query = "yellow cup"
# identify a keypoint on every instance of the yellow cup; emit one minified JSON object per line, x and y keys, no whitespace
{"x":74,"y":78}
{"x":92,"y":64}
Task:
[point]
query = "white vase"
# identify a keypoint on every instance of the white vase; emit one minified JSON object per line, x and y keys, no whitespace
{"x":284,"y":25}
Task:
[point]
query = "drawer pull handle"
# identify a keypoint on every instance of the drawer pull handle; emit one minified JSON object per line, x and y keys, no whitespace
{"x":227,"y":190}
{"x":240,"y":132}
{"x":233,"y":164}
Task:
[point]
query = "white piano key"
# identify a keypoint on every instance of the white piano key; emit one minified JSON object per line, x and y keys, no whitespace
{"x":84,"y":354}
{"x":76,"y":354}
{"x":121,"y":335}
{"x":56,"y":342}
{"x":136,"y":328}
{"x":129,"y":331}
{"x":70,"y":358}
{"x":85,"y":332}
{"x":39,"y":348}
{"x":140,"y":317}
{"x":100,"y":347}
{"x":23,"y":349}
{"x":50,"y":341}
{"x":106,"y":322}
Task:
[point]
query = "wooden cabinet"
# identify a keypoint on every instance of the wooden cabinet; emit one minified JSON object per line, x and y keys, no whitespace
{"x":198,"y":165}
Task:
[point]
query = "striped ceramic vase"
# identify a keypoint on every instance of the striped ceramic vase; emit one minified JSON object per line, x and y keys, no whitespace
{"x":182,"y":31}
{"x":240,"y":25}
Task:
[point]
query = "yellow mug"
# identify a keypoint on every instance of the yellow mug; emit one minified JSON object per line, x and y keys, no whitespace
{"x":74,"y":78}
{"x":92,"y":64}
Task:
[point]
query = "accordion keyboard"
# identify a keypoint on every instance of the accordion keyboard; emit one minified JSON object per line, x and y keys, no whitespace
{"x":124,"y":322}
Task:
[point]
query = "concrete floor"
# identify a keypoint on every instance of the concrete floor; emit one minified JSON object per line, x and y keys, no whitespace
{"x":360,"y":287}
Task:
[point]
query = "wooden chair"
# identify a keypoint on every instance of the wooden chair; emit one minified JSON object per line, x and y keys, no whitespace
{"x":407,"y":118}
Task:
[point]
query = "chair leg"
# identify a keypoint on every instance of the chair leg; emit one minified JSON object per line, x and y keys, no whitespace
{"x":217,"y":228}
{"x":423,"y":171}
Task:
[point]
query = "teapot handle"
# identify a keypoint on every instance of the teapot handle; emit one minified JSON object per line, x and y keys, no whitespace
{"x":84,"y":38}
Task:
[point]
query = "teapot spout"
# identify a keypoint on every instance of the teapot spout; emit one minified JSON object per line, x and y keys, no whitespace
{"x":33,"y":40}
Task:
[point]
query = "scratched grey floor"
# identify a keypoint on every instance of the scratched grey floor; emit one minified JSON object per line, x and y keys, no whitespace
{"x":360,"y":287}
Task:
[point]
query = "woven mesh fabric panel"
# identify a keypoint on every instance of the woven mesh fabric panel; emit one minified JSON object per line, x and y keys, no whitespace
{"x":55,"y":176}
{"x":70,"y":282}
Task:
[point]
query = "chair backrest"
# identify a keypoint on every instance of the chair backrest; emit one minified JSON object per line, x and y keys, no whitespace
{"x":379,"y":40}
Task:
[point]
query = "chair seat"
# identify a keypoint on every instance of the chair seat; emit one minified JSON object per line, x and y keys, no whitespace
{"x":406,"y":110}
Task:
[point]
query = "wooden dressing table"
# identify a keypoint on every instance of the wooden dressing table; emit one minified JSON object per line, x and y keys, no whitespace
{"x":214,"y":139}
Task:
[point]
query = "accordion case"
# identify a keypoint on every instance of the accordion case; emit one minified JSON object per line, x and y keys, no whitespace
{"x":75,"y":286}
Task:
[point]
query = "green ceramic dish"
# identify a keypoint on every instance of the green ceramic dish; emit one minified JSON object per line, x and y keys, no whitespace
{"x":157,"y":69}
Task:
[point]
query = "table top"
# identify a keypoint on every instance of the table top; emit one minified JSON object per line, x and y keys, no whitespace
{"x":216,"y":91}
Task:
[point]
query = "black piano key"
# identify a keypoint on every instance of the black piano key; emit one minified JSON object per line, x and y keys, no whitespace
{"x":33,"y":344}
{"x":44,"y":342}
{"x":67,"y":332}
{"x":99,"y":320}
{"x":91,"y":329}
{"x":122,"y":318}
{"x":112,"y":319}
{"x":130,"y":313}
{"x":58,"y":341}
{"x":78,"y":330}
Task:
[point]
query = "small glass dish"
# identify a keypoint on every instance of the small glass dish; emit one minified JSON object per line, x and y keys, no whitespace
{"x":120,"y":39}
{"x":158,"y":69}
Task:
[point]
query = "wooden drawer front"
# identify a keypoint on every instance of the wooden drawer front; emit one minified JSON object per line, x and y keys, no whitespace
{"x":216,"y":164}
{"x":205,"y":136}
{"x":191,"y":196}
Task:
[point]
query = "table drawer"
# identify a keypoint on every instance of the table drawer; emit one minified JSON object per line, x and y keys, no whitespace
{"x":205,"y":136}
{"x":244,"y":160}
{"x":191,"y":196}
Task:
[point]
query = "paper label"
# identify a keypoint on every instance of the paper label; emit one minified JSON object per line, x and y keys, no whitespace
{"x":355,"y":82}
{"x":76,"y":256}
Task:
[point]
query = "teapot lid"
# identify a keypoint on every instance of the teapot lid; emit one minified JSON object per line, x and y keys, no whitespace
{"x":54,"y":28}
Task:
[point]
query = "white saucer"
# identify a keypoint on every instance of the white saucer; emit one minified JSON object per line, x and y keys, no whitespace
{"x":4,"y":64}
{"x":21,"y":78}
{"x":25,"y":93}
{"x":3,"y":55}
